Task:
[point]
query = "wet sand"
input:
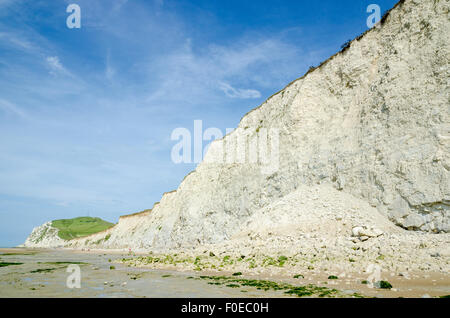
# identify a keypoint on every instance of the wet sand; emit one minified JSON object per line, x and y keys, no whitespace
{"x":41,"y":275}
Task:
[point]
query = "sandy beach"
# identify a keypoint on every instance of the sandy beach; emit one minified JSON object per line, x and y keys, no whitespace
{"x":43,"y":273}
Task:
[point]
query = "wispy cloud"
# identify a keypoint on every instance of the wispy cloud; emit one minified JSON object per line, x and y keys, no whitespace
{"x":56,"y":66}
{"x":239,"y":93}
{"x":118,"y":4}
{"x":16,"y":41}
{"x":196,"y":74}
{"x":109,"y":69}
{"x":11,"y":108}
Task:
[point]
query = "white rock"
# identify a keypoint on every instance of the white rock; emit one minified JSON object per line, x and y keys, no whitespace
{"x":413,"y":221}
{"x":357,"y":230}
{"x":370,"y":232}
{"x":363,"y":238}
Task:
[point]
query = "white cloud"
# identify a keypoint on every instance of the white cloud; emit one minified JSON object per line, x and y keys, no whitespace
{"x":109,"y":69}
{"x":118,"y":4}
{"x":238,"y":93}
{"x":55,"y":65}
{"x":109,"y":72}
{"x":16,"y":41}
{"x":240,"y":70}
{"x":11,"y":108}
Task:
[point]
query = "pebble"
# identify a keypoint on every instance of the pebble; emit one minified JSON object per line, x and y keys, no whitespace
{"x":435,"y":255}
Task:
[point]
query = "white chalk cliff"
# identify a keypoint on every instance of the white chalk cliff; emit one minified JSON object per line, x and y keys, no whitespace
{"x":44,"y":236}
{"x":370,"y":127}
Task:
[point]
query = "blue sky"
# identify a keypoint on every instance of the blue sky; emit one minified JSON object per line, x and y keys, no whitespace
{"x":86,"y":114}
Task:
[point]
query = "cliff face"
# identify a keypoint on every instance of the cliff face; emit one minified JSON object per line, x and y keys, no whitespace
{"x":44,"y":236}
{"x":372,"y":122}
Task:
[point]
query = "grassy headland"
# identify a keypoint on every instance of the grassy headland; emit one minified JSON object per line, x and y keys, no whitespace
{"x":81,"y":226}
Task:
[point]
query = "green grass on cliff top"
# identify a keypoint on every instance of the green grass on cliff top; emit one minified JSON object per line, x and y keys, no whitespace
{"x":81,"y":226}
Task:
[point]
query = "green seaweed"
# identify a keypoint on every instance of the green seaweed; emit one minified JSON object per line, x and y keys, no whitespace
{"x":299,"y":291}
{"x":14,"y":254}
{"x":4,"y":264}
{"x":43,"y":270}
{"x":233,"y":285}
{"x":385,"y":285}
{"x":64,"y":263}
{"x":333,"y":277}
